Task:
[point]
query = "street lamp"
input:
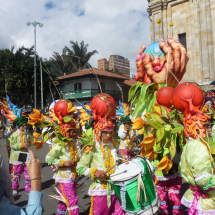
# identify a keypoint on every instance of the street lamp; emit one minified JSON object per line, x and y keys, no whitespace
{"x":35,"y":66}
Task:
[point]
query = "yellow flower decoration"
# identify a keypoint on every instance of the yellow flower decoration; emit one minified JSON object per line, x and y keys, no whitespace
{"x":38,"y":144}
{"x":171,"y":24}
{"x":35,"y":117}
{"x":71,"y":108}
{"x":159,"y":21}
{"x":165,"y":164}
{"x":147,"y":147}
{"x":138,"y":123}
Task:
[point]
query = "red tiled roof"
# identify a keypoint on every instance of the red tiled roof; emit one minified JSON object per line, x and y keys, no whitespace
{"x":130,"y":82}
{"x":94,"y":71}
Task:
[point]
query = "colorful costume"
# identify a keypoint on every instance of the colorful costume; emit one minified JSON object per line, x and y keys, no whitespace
{"x":100,"y":156}
{"x":6,"y":134}
{"x":17,"y":139}
{"x":197,"y":169}
{"x":126,"y":137}
{"x":65,"y":177}
{"x":62,"y":151}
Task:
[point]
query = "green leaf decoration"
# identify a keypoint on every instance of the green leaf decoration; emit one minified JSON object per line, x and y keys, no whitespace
{"x":181,"y":116}
{"x":159,"y":145}
{"x":67,"y":118}
{"x":133,"y":90}
{"x":56,"y":140}
{"x":146,"y":100}
{"x":164,"y":112}
{"x":167,"y":144}
{"x":171,"y":115}
{"x":177,"y":125}
{"x":134,"y":101}
{"x":43,"y":125}
{"x":156,"y":118}
{"x":176,"y":130}
{"x":172,"y":148}
{"x":160,"y":134}
{"x":155,"y":125}
{"x":207,"y":138}
{"x":166,"y":120}
{"x":46,"y":137}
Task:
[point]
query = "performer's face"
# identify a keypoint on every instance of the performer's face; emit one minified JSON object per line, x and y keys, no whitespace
{"x":106,"y":135}
{"x":23,"y":126}
{"x":72,"y":133}
{"x":126,"y":126}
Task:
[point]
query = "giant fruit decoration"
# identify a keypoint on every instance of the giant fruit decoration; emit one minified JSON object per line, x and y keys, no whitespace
{"x":188,"y":98}
{"x":64,"y":108}
{"x":103,"y":106}
{"x":151,"y":63}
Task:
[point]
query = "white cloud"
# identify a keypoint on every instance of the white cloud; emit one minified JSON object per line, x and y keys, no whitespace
{"x":106,"y":25}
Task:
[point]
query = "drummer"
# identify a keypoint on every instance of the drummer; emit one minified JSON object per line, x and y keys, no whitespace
{"x":101,"y":157}
{"x":127,"y":137}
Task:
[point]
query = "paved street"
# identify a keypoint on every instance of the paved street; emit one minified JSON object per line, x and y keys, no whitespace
{"x":50,"y":205}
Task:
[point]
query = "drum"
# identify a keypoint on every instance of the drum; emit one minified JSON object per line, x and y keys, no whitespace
{"x":134,"y":187}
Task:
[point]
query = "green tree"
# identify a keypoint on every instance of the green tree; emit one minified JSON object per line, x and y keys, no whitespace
{"x":78,"y":55}
{"x":17,"y":76}
{"x":61,"y":62}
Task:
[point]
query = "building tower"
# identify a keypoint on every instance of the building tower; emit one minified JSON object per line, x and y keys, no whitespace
{"x":194,"y":27}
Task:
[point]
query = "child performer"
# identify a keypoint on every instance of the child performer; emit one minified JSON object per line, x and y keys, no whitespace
{"x":19,"y":142}
{"x":100,"y":156}
{"x":65,"y":157}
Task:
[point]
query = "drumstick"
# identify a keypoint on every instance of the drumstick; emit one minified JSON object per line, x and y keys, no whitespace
{"x":111,"y":168}
{"x":119,"y":173}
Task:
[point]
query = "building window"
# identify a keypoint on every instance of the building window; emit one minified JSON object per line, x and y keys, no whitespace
{"x":78,"y":86}
{"x":102,"y":86}
{"x":182,"y":39}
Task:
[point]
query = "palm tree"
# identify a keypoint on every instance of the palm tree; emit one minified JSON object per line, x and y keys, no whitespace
{"x":61,"y":62}
{"x":78,"y":55}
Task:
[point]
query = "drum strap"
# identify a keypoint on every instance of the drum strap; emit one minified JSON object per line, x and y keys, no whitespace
{"x":140,"y":185}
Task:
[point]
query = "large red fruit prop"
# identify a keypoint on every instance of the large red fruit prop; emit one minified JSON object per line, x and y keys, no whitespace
{"x":63,"y":108}
{"x":188,"y":98}
{"x":103,"y":106}
{"x":164,"y":97}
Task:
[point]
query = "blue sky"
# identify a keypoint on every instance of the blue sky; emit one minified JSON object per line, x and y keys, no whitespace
{"x":109,"y":26}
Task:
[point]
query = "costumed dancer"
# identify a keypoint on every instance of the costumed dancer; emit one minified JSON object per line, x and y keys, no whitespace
{"x":127,"y":137}
{"x":161,"y":144}
{"x":20,"y":141}
{"x":196,"y":165}
{"x":64,"y":156}
{"x":99,"y":155}
{"x":125,"y":133}
{"x":6,"y":134}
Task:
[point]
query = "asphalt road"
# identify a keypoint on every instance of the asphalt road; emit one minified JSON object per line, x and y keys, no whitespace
{"x":50,"y":205}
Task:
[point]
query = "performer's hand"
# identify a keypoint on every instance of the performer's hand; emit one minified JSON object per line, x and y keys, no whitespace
{"x":100,"y":174}
{"x":25,"y":145}
{"x":34,"y":171}
{"x":67,"y":163}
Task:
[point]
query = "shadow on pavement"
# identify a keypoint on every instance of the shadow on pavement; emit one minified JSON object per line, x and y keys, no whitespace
{"x":47,"y":184}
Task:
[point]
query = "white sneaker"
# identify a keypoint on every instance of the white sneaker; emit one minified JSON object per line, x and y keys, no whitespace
{"x":15,"y":192}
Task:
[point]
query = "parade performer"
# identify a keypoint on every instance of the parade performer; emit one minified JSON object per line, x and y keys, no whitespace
{"x":64,"y":156}
{"x":6,"y":134}
{"x":127,"y":137}
{"x":99,"y":155}
{"x":160,"y":67}
{"x":196,"y":167}
{"x":125,"y":133}
{"x":20,"y":140}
